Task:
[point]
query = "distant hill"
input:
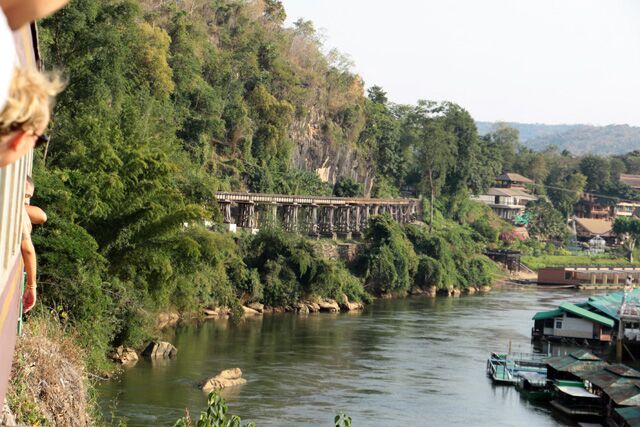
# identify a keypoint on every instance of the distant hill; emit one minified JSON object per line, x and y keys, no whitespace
{"x":579,"y":139}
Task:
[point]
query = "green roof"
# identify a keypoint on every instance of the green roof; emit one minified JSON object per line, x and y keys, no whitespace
{"x":542,"y":315}
{"x":576,"y":362}
{"x":630,"y":415}
{"x":578,"y":311}
{"x":609,"y":304}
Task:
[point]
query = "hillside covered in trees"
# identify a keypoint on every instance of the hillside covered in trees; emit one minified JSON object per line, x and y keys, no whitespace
{"x":578,"y":139}
{"x":169,"y":102}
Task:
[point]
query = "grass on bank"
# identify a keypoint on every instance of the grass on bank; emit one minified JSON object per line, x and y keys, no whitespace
{"x":537,"y":262}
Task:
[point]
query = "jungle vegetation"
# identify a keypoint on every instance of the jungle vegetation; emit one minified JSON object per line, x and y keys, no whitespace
{"x":171,"y":101}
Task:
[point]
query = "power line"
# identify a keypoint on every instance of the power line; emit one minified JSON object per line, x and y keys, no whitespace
{"x":602,"y":196}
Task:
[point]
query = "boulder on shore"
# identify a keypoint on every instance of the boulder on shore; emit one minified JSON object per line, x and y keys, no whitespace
{"x":217,"y":312}
{"x":329,"y":305}
{"x":314,"y":307}
{"x":124,"y":355}
{"x":347,"y":305}
{"x":160,"y":349}
{"x":259,"y":307}
{"x":250,"y":311}
{"x":227,"y":378}
{"x":302,"y":308}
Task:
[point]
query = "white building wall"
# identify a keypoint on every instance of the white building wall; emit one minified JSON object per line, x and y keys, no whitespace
{"x":573,"y":327}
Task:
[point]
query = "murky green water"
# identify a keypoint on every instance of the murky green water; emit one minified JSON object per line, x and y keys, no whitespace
{"x":403,"y":362}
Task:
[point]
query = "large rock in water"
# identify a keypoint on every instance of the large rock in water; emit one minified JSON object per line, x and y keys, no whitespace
{"x":227,"y":378}
{"x":160,"y":349}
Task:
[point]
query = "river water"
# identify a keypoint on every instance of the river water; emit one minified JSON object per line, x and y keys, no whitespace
{"x":415,"y":361}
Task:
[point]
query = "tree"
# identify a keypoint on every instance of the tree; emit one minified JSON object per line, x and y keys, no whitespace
{"x":506,"y":138}
{"x":436,"y":150}
{"x":598,"y":172}
{"x":545,"y":221}
{"x":347,"y":187}
{"x":565,"y":191}
{"x":629,"y":228}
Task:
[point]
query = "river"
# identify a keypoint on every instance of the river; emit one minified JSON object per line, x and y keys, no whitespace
{"x":414,"y":361}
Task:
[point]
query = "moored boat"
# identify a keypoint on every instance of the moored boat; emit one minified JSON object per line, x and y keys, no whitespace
{"x":574,"y":400}
{"x":533,"y":386}
{"x":503,"y":368}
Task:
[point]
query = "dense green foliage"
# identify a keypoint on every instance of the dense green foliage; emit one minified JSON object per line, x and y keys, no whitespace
{"x":448,"y":257}
{"x":290,"y":269}
{"x":169,"y":102}
{"x":629,"y":227}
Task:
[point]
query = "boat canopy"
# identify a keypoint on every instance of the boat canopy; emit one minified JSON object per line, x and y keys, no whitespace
{"x":576,"y":391}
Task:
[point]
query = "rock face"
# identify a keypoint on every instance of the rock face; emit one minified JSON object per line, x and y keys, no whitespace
{"x":124,"y":355}
{"x":315,"y":151}
{"x":227,"y":378}
{"x":160,"y":349}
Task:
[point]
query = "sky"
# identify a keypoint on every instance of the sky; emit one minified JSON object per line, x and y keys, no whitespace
{"x":531,"y":61}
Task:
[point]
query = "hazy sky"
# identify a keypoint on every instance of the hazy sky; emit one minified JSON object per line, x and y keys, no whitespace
{"x":546,"y":61}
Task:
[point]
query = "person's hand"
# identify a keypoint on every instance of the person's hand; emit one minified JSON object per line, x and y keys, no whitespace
{"x":28,"y":299}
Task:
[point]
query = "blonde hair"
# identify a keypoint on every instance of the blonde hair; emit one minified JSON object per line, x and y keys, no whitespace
{"x":30,"y":100}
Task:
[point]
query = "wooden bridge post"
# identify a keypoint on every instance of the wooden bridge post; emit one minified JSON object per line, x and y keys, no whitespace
{"x":272,"y":215}
{"x":354,"y":224}
{"x":291,"y":217}
{"x":312,"y":220}
{"x":406,"y":214}
{"x":225,"y":209}
{"x":364,"y":217}
{"x":342,"y":221}
{"x":326,"y":221}
{"x":246,"y":215}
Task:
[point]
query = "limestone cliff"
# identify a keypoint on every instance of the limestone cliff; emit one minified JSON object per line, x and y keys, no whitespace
{"x":314,"y":151}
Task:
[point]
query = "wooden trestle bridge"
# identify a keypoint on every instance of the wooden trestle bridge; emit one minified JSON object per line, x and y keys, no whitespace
{"x":316,"y":216}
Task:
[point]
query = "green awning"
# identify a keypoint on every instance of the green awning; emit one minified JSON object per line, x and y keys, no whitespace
{"x":574,"y":309}
{"x":542,"y":315}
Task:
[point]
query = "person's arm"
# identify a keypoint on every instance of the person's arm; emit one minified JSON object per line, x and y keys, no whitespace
{"x":36,"y":215}
{"x":29,"y":259}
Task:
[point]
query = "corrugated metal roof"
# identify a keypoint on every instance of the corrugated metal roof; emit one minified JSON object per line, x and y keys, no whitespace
{"x":578,"y":361}
{"x":514,"y":177}
{"x":542,"y":315}
{"x":510,"y":192}
{"x":578,"y":311}
{"x":609,"y":304}
{"x":630,"y":415}
{"x":625,"y":394}
{"x":623,"y":371}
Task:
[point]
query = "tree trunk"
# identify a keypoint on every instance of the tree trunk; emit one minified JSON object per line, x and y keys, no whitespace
{"x":432,"y":198}
{"x":632,"y":246}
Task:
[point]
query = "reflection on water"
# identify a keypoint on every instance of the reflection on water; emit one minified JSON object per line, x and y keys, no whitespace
{"x":400,"y":362}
